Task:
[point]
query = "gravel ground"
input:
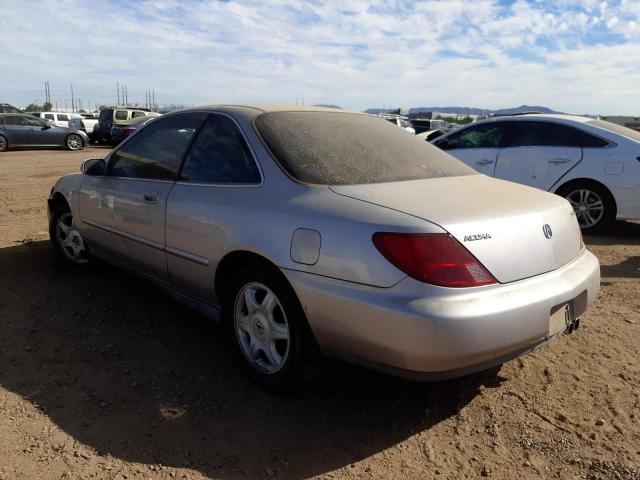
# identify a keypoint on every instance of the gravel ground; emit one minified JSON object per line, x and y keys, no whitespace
{"x":102,"y":376}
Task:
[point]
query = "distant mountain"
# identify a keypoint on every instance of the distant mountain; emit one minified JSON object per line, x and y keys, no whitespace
{"x":524,"y":109}
{"x":455,"y":110}
{"x":462,"y":111}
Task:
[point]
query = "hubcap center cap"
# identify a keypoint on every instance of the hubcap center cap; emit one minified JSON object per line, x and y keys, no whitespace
{"x":260,"y":328}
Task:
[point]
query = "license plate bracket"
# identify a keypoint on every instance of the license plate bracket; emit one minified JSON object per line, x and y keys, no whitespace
{"x":562,"y":316}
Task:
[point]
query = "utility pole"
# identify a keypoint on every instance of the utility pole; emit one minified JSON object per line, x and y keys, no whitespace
{"x":73,"y":108}
{"x":118,"y":89}
{"x":154,"y":100}
{"x":126,"y":95}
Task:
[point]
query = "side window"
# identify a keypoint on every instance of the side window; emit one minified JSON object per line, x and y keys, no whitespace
{"x":542,"y":134}
{"x":48,"y":116}
{"x":156,"y":152}
{"x":587,"y":140}
{"x":15,"y":120}
{"x":2,"y":120}
{"x":487,"y":135}
{"x":121,"y":114}
{"x":62,"y":117}
{"x":138,"y":114}
{"x":220,"y":155}
{"x":105,"y":116}
{"x":34,"y":122}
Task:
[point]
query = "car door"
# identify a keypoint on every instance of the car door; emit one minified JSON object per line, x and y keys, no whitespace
{"x":477,"y":145}
{"x":538,"y":153}
{"x":218,"y":177}
{"x":17,"y":130}
{"x":42,"y":134}
{"x":124,"y":211}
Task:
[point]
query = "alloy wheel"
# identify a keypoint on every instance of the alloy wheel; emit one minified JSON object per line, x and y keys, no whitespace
{"x":74,"y":142}
{"x":587,"y":205}
{"x":3,"y":143}
{"x":261,"y":328}
{"x":70,"y":240}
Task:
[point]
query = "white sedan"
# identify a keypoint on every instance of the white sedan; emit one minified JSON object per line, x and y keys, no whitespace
{"x":594,"y":164}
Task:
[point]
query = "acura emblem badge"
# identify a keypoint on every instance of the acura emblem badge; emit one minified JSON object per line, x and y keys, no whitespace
{"x":546,"y":229}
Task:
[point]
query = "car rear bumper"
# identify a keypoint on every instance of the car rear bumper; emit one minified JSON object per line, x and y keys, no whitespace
{"x":417,"y":330}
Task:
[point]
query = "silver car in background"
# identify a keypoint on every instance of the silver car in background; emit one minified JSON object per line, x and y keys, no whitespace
{"x":312,"y":231}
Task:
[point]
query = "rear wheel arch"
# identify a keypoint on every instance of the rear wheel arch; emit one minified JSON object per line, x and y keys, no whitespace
{"x":233,"y":262}
{"x":609,"y":201}
{"x":576,"y":182}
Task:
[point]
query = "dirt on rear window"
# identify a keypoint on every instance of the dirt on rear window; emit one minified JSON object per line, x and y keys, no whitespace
{"x":330,"y":148}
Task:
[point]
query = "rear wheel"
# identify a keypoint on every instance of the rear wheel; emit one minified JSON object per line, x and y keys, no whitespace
{"x":592,"y":203}
{"x":268,"y":327}
{"x":3,"y":143}
{"x":74,"y":142}
{"x":66,"y":239}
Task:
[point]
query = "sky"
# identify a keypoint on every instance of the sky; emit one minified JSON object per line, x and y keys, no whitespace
{"x":572,"y":56}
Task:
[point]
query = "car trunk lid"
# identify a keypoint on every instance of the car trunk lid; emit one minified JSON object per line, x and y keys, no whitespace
{"x":515,"y":231}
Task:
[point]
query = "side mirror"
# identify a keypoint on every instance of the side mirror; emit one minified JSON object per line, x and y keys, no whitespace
{"x":442,"y":144}
{"x":46,"y":126}
{"x":96,"y":167}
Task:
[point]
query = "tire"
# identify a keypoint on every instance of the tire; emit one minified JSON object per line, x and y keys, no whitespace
{"x":3,"y":143}
{"x":74,"y":142}
{"x":268,"y":328}
{"x":593,"y":204}
{"x":66,"y":240}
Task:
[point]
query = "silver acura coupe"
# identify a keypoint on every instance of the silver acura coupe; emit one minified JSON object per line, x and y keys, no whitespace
{"x":313,"y":232}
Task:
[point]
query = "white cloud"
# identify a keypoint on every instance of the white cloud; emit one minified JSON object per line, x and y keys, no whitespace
{"x":569,"y":55}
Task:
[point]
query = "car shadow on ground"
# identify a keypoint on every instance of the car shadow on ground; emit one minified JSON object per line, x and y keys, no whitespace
{"x":620,"y":233}
{"x":131,"y":373}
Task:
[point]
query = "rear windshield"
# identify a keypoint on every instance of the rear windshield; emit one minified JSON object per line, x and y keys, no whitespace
{"x":330,"y":148}
{"x":619,"y":129}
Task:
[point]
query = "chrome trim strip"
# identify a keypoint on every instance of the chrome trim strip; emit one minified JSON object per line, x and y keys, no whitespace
{"x":135,"y":238}
{"x":188,"y":256}
{"x":149,"y":243}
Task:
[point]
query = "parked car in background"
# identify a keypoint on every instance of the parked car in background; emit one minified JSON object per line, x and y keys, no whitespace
{"x":123,"y":129}
{"x":87,"y":123}
{"x":594,"y":164}
{"x":421,"y":125}
{"x":61,"y":119}
{"x":400,"y":121}
{"x":6,"y":108}
{"x":318,"y":230}
{"x":109,"y":116}
{"x":19,"y":130}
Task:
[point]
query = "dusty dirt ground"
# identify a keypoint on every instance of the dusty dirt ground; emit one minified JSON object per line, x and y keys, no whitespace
{"x":102,"y":376}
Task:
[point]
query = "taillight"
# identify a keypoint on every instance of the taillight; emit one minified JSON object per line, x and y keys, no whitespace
{"x":435,"y":258}
{"x":82,"y":125}
{"x":128,"y":129}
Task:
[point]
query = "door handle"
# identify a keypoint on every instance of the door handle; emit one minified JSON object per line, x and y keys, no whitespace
{"x":151,"y":197}
{"x":485,"y":162}
{"x":559,"y":161}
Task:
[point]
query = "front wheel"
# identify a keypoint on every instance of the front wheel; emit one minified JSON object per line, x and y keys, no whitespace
{"x":3,"y":143}
{"x":593,"y":205}
{"x":74,"y":142}
{"x":269,"y":328}
{"x":66,"y":239}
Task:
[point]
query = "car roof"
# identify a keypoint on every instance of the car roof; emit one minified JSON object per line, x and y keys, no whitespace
{"x":268,"y":108}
